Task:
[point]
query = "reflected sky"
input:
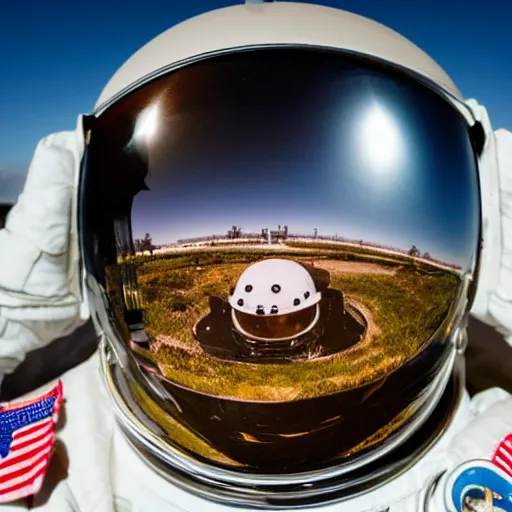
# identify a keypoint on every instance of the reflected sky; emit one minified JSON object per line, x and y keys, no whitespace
{"x":306,"y":140}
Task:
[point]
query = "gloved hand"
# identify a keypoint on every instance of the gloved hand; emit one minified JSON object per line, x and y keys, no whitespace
{"x":493,"y":302}
{"x":500,"y":302}
{"x":39,"y":280}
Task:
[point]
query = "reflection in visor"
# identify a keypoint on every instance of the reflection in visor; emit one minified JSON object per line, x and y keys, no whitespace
{"x":338,"y":163}
{"x":277,"y":327}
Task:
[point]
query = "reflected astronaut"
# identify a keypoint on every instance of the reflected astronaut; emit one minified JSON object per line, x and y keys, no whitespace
{"x":196,"y":118}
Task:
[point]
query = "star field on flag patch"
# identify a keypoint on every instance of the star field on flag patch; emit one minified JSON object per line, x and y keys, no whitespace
{"x":27,"y":436}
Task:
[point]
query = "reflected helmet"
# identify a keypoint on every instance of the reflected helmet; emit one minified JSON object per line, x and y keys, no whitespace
{"x":199,"y":148}
{"x":272,"y":298}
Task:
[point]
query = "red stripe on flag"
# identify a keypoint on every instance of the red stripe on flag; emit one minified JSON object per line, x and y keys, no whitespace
{"x":28,"y":483}
{"x":28,"y":431}
{"x":22,"y":471}
{"x":502,"y":456}
{"x":37,"y":435}
{"x":9,"y":466}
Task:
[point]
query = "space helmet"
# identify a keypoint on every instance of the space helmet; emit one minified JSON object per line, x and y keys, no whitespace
{"x":280,"y":218}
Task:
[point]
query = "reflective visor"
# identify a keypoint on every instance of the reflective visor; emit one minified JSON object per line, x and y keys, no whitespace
{"x":359,"y":173}
{"x":330,"y":145}
{"x":276,"y":327}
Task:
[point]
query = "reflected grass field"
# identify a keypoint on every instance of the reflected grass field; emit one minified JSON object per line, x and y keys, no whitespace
{"x":403,"y":309}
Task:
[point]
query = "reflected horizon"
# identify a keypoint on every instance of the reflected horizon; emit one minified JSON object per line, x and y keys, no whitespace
{"x":280,"y":235}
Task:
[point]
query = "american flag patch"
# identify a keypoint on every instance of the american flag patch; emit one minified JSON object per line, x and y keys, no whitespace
{"x":27,"y":436}
{"x":503,"y":455}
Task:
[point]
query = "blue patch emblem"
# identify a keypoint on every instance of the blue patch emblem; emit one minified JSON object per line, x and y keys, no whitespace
{"x":478,"y":486}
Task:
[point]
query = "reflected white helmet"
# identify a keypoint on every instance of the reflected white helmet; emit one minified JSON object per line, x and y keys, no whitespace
{"x":274,"y":288}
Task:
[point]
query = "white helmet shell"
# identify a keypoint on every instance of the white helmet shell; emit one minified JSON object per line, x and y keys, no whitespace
{"x":274,"y":287}
{"x":277,"y":23}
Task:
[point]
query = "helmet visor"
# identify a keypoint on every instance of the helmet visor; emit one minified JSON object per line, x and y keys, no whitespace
{"x":351,"y":168}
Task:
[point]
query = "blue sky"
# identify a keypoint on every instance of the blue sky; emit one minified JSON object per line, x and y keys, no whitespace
{"x":55,"y":60}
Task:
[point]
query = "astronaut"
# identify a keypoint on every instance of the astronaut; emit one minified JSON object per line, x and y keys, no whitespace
{"x":329,"y":111}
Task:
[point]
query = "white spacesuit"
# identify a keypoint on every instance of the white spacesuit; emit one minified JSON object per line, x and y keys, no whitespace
{"x":110,"y":465}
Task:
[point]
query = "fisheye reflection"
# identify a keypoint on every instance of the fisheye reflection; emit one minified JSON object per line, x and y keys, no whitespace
{"x":189,"y":311}
{"x":294,"y":311}
{"x":197,"y":304}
